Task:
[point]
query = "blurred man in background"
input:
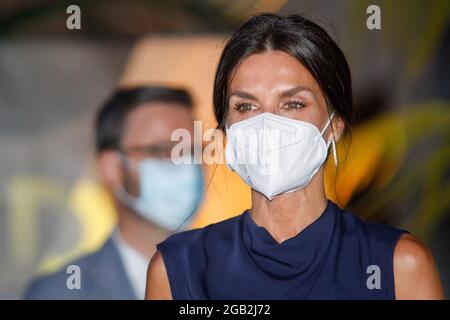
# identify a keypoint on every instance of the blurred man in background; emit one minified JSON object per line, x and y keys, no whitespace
{"x":153,"y":196}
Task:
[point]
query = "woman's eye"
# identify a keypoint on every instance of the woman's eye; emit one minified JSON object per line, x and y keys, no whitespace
{"x":245,"y":107}
{"x":294,"y":105}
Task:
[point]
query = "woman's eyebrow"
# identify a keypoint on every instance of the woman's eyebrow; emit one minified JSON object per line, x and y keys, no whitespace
{"x":284,"y":94}
{"x":294,"y":90}
{"x":243,"y":94}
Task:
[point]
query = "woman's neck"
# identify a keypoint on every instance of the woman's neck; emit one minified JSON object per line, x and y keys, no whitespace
{"x":288,"y":214}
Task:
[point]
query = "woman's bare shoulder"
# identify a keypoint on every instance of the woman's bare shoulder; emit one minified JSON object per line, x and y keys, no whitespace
{"x":415,"y":272}
{"x":158,"y":286}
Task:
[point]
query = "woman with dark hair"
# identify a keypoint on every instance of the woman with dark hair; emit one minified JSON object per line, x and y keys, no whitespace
{"x":283,"y":95}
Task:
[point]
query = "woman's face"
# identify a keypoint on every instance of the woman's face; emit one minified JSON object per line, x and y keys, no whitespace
{"x":275,"y":82}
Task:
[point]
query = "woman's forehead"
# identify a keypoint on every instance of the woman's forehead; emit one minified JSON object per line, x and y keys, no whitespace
{"x":271,"y":72}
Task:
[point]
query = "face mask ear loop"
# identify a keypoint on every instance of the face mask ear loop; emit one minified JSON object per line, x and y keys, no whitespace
{"x":327,"y":124}
{"x":333,"y":141}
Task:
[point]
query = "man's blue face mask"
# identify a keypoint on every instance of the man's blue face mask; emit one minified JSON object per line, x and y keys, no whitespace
{"x":169,"y":193}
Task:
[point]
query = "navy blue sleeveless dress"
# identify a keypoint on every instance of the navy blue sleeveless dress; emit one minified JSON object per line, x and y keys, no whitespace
{"x":338,"y":256}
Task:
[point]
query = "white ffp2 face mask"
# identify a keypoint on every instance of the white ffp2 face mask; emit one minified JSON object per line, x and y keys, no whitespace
{"x":275,"y":154}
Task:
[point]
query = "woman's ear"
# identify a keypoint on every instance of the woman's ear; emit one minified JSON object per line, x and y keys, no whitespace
{"x":109,"y":168}
{"x":338,"y":128}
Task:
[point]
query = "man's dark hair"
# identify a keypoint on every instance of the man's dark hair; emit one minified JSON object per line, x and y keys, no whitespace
{"x":111,"y":116}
